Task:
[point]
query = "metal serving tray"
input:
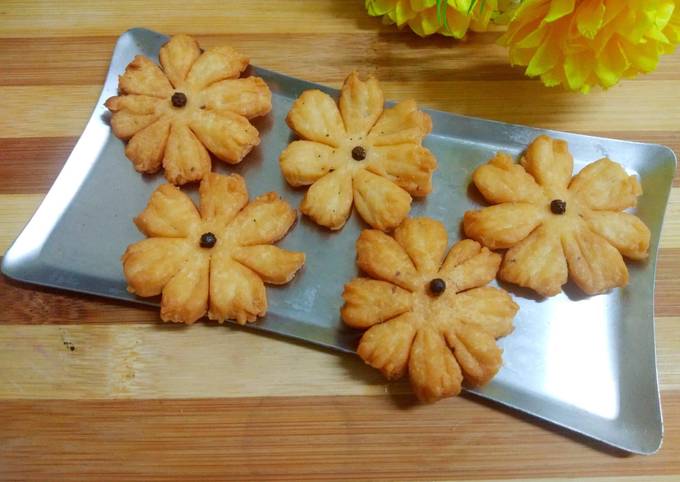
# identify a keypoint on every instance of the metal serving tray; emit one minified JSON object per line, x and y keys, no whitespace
{"x":584,"y":363}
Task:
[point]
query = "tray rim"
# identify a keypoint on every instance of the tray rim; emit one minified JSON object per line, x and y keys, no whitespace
{"x":65,"y":187}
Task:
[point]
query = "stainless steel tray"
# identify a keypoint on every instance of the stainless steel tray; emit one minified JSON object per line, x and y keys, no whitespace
{"x":584,"y":363}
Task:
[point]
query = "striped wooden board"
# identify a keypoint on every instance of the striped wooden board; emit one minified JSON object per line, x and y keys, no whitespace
{"x":96,"y":389}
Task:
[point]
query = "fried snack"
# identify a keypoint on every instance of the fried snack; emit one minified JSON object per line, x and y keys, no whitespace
{"x":557,"y":227}
{"x":428,"y":315}
{"x":215,"y":258}
{"x":358,"y":153}
{"x":194,"y":103}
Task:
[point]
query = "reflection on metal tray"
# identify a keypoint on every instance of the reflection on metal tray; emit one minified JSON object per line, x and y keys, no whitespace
{"x":585,"y":363}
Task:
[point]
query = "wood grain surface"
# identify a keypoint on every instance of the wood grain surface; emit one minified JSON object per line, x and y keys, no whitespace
{"x":93,"y":389}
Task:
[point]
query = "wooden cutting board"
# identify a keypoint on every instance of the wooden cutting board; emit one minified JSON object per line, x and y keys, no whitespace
{"x":99,"y":390}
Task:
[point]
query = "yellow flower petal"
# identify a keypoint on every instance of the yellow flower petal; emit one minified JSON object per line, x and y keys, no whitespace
{"x":458,"y":23}
{"x":577,"y":68}
{"x":613,"y":10}
{"x":590,"y":17}
{"x":419,"y":5}
{"x":672,"y":28}
{"x":664,"y":13}
{"x":584,"y":43}
{"x":460,"y":5}
{"x":379,"y":7}
{"x":426,"y":23}
{"x":545,"y":58}
{"x":643,"y":57}
{"x":554,"y":77}
{"x":559,"y":9}
{"x":533,"y":39}
{"x":521,"y":56}
{"x":423,"y":18}
{"x":612,"y":65}
{"x":402,"y":13}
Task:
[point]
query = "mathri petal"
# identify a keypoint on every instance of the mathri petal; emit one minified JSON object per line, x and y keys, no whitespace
{"x":177,"y":56}
{"x":227,"y":135}
{"x":305,"y":162}
{"x":185,"y":159}
{"x":315,"y":117}
{"x":264,"y":220}
{"x":425,"y":241}
{"x":185,"y":296}
{"x":143,"y":77}
{"x":476,"y":352}
{"x":549,"y":162}
{"x":381,"y":257}
{"x":222,"y":197}
{"x":401,"y":124}
{"x":149,"y":264}
{"x":409,"y":166}
{"x":380,"y":202}
{"x":273,"y":264}
{"x":146,"y":148}
{"x":361,"y":103}
{"x":537,"y":262}
{"x":387,"y":346}
{"x":625,"y":232}
{"x":501,"y":180}
{"x":369,"y":301}
{"x":594,"y":264}
{"x":432,"y":368}
{"x":503,"y":225}
{"x":329,"y":200}
{"x":170,"y":213}
{"x":605,"y":185}
{"x":216,"y":64}
{"x":249,"y":97}
{"x":236,"y":292}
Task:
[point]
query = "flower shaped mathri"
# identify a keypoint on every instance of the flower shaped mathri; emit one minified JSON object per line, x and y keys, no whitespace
{"x":358,"y":153}
{"x":196,"y":103}
{"x":427,"y":314}
{"x":556,"y":226}
{"x":214,"y":259}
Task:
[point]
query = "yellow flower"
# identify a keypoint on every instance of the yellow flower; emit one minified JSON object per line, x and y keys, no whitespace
{"x":453,"y":20}
{"x":583,"y":43}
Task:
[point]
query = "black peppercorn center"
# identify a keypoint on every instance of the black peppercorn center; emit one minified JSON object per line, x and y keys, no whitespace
{"x":208,"y":240}
{"x":437,"y":286}
{"x":179,"y":99}
{"x":358,"y":153}
{"x":557,"y":206}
